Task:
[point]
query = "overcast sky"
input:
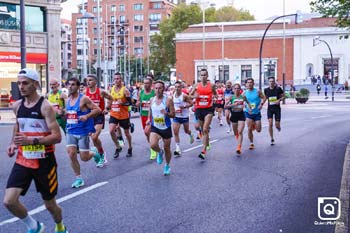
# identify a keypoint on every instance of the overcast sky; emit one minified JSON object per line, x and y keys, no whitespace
{"x":261,"y":9}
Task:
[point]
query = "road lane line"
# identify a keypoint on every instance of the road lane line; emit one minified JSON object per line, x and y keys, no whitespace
{"x":199,"y":146}
{"x":60,"y":200}
{"x":318,"y":117}
{"x":344,"y":195}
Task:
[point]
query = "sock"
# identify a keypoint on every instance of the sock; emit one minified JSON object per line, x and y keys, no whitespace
{"x":100,"y":151}
{"x":79,"y":177}
{"x":178,"y":144}
{"x":60,"y":227}
{"x":30,"y":223}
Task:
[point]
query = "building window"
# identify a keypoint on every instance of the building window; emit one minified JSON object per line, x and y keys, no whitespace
{"x":95,"y":51}
{"x":94,"y":9}
{"x":138,"y":17}
{"x":154,"y":27}
{"x":80,"y":52}
{"x":246,"y":72}
{"x":95,"y":31}
{"x":138,"y":6}
{"x":155,"y":17}
{"x":112,"y":19}
{"x":121,"y":7}
{"x":122,"y":19}
{"x":113,"y":8}
{"x":138,"y":39}
{"x":269,"y":71}
{"x":79,"y":21}
{"x":80,"y":30}
{"x":10,"y":17}
{"x":80,"y":41}
{"x":95,"y":41}
{"x":157,"y":5}
{"x":138,"y":28}
{"x":138,"y":51}
{"x":224,"y":72}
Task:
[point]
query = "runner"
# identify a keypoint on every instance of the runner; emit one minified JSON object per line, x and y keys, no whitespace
{"x":57,"y":100}
{"x":219,"y":102}
{"x":162,"y":109}
{"x":34,"y":135}
{"x":119,"y":115}
{"x":254,"y":97}
{"x":228,"y":94}
{"x":144,"y":103}
{"x":80,"y":124}
{"x":274,"y":95}
{"x":235,"y":104}
{"x":82,"y":88}
{"x":182,"y":103}
{"x":203,"y":92}
{"x":97,"y":96}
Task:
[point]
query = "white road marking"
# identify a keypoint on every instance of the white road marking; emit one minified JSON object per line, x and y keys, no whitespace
{"x":62,"y":199}
{"x":319,"y":117}
{"x":199,"y":146}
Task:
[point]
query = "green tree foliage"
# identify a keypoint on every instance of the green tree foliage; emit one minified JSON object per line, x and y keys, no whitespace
{"x":162,"y":45}
{"x":333,"y":8}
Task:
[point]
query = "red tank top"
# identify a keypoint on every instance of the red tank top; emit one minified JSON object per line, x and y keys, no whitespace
{"x":205,"y":96}
{"x":220,"y":93}
{"x":96,"y":97}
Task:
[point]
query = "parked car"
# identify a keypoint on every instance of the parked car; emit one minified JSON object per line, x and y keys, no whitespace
{"x":4,"y":98}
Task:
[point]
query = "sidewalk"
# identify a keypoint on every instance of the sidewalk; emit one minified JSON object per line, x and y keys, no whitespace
{"x":7,"y":117}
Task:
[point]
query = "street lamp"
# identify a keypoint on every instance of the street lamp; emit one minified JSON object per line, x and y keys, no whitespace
{"x":261,"y":48}
{"x":85,"y":15}
{"x":315,"y":42}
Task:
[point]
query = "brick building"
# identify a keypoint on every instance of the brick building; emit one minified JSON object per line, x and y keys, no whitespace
{"x":66,"y":48}
{"x":125,"y":28}
{"x":231,"y":51}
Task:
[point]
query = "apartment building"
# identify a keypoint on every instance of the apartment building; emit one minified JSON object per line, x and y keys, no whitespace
{"x":66,"y":49}
{"x":125,"y":30}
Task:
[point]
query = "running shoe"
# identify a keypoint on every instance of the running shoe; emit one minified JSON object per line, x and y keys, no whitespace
{"x":202,"y":155}
{"x":116,"y":153}
{"x":251,"y":146}
{"x":40,"y":228}
{"x":79,"y":182}
{"x":272,"y":142}
{"x":96,"y":156}
{"x":65,"y":231}
{"x":129,"y":154}
{"x":166,"y":170}
{"x":160,"y":157}
{"x":238,"y":150}
{"x":153,"y":155}
{"x":191,"y":139}
{"x":279,"y":129}
{"x":102,"y":161}
{"x":198,"y":138}
{"x":132,"y":127}
{"x":208,"y":146}
{"x":221,"y":123}
{"x":229,"y":129}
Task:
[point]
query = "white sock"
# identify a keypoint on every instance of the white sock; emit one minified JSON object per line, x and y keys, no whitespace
{"x":79,"y":177}
{"x":30,"y":223}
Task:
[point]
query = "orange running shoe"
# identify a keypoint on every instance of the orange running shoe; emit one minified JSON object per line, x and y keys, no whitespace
{"x":238,"y":150}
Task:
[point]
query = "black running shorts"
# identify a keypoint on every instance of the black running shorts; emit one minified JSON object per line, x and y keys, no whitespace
{"x":274,"y":111}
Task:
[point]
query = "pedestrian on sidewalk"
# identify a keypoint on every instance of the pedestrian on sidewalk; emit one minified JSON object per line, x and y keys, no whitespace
{"x":318,"y":88}
{"x":325,"y":91}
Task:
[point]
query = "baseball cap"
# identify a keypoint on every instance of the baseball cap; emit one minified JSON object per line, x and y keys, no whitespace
{"x":29,"y":73}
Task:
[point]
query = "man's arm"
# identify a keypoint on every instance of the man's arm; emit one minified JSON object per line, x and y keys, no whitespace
{"x":194,"y":89}
{"x":106,"y":95}
{"x":50,"y":119}
{"x":127,"y":97}
{"x":138,"y":101}
{"x":213,"y":88}
{"x":150,"y":113}
{"x":95,"y":110}
{"x":170,"y":105}
{"x":12,"y":147}
{"x":188,"y":100}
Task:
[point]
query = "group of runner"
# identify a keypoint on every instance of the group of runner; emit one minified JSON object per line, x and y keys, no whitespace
{"x":82,"y":116}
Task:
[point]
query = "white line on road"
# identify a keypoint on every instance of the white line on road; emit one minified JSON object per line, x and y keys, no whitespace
{"x":195,"y":147}
{"x":318,"y":117}
{"x":62,"y":199}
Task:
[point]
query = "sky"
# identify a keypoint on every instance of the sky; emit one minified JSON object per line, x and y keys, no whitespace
{"x":261,"y":9}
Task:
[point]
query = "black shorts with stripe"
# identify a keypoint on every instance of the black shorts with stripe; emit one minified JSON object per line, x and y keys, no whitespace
{"x":45,"y":177}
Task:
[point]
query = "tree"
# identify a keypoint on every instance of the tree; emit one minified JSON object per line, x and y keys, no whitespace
{"x":333,"y":8}
{"x":162,"y":45}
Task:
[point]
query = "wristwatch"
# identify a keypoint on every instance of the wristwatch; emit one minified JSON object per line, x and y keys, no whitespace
{"x":35,"y":141}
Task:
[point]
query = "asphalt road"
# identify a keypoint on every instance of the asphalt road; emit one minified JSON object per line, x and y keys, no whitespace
{"x":270,"y":189}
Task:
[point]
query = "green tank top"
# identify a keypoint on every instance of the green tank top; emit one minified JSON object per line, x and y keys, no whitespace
{"x":240,"y":103}
{"x":145,"y":102}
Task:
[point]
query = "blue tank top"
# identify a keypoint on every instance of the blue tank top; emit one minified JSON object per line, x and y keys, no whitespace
{"x":254,"y":100}
{"x":159,"y":120}
{"x":74,"y":125}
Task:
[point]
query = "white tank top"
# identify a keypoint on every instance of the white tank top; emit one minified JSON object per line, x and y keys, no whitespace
{"x":178,"y":103}
{"x":159,"y":120}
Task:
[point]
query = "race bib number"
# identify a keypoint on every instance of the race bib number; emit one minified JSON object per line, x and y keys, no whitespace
{"x":159,"y":121}
{"x":72,"y":117}
{"x":178,"y":110}
{"x":115,"y":106}
{"x":203,"y":100}
{"x":273,"y":100}
{"x":252,"y":105}
{"x":96,"y":101}
{"x":145,"y":106}
{"x":34,"y":151}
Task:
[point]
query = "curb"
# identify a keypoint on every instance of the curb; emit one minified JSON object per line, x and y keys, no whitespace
{"x":344,"y":195}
